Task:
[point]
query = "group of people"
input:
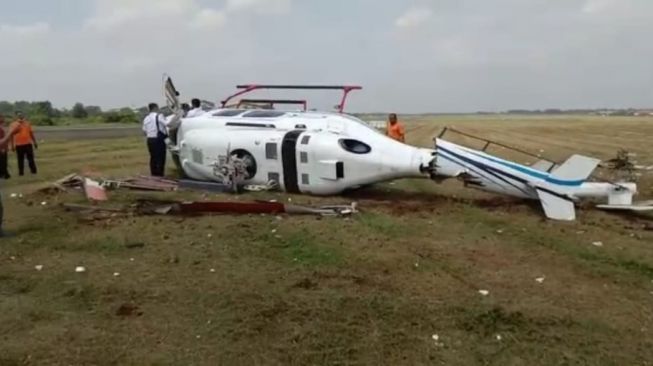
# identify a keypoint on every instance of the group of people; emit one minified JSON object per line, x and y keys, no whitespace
{"x":21,"y":140}
{"x":155,"y":127}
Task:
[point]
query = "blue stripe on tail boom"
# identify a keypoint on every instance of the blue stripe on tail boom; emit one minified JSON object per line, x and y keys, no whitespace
{"x":524,"y":169}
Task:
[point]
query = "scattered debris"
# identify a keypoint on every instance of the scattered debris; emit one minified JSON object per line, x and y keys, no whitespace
{"x":44,"y":203}
{"x":484,"y":292}
{"x":436,"y":339}
{"x":540,"y":279}
{"x":258,"y":207}
{"x":80,"y":269}
{"x":38,"y":267}
{"x":94,"y":191}
{"x":134,"y":245}
{"x":500,"y":231}
{"x":499,"y":337}
{"x":143,"y":183}
{"x":116,"y":274}
{"x":597,"y":244}
{"x":212,"y":270}
{"x":204,"y":186}
{"x":128,"y":310}
{"x":14,"y":195}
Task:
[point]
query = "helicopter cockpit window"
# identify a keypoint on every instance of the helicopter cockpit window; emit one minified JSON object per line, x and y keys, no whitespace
{"x":264,"y":114}
{"x":229,"y":112}
{"x":355,"y":146}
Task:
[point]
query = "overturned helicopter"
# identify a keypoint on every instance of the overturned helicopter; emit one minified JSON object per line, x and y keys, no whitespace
{"x":317,"y":153}
{"x":322,"y":153}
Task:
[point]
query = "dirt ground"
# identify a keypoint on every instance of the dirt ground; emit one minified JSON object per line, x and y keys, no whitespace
{"x":426,"y":274}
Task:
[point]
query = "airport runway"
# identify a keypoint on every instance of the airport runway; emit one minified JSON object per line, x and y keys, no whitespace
{"x":86,"y":133}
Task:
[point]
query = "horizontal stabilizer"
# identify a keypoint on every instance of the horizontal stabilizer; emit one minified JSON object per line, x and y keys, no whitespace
{"x":557,"y":207}
{"x":544,"y":166}
{"x":577,"y":168}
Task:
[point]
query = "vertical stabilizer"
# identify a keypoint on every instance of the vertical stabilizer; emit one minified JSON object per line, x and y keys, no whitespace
{"x":577,"y":168}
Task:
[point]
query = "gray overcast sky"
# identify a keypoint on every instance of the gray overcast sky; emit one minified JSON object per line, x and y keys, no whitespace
{"x":411,"y":56}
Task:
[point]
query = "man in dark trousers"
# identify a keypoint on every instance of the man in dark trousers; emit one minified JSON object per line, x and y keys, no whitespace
{"x":154,"y":126}
{"x":24,"y":143}
{"x":4,"y":171}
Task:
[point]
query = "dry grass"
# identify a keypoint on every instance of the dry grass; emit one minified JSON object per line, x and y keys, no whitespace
{"x":370,"y":290}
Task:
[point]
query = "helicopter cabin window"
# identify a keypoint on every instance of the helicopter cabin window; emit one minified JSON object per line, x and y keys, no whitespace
{"x":303,"y":157}
{"x":305,"y":180}
{"x":355,"y":146}
{"x":306,"y":140}
{"x":271,"y":151}
{"x":300,"y":127}
{"x":273,"y":177}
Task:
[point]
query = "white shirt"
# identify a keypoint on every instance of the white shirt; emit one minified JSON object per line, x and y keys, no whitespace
{"x":195,"y":113}
{"x":150,"y":125}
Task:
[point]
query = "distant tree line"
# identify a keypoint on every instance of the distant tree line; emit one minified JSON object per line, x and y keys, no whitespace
{"x":553,"y":111}
{"x":44,"y":114}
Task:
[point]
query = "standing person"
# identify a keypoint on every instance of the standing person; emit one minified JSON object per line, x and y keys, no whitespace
{"x":4,"y":141}
{"x":156,"y":134}
{"x":395,"y":129}
{"x":24,"y":143}
{"x":4,"y":171}
{"x":196,"y":104}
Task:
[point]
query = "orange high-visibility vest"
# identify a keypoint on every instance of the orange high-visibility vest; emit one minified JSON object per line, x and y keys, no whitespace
{"x":396,"y":131}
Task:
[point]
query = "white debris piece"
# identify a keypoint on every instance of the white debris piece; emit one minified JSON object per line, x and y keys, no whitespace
{"x":484,"y":292}
{"x":20,"y":195}
{"x":499,"y":338}
{"x":500,"y":231}
{"x":212,"y":270}
{"x":131,"y":259}
{"x":38,"y":267}
{"x":274,"y":231}
{"x":116,"y":274}
{"x":43,"y":203}
{"x":436,"y":339}
{"x":80,"y":269}
{"x":598,"y":244}
{"x":209,"y":236}
{"x":540,"y":279}
{"x":14,"y":195}
{"x":416,"y":265}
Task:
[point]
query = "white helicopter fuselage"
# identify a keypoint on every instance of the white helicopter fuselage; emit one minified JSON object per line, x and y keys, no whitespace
{"x":311,"y":153}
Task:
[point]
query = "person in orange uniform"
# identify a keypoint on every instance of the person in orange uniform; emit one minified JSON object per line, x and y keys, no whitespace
{"x":23,"y":143}
{"x":395,"y":129}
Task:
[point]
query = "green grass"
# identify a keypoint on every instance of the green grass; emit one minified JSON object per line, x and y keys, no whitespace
{"x":369,"y":290}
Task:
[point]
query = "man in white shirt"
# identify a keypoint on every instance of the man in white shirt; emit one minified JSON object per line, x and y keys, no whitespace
{"x":154,"y":126}
{"x":196,"y":109}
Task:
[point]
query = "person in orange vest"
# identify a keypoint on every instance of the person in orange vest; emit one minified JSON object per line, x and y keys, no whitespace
{"x":395,"y":129}
{"x":23,"y":143}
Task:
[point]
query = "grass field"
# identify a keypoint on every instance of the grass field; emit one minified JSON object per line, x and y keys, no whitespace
{"x":373,"y":289}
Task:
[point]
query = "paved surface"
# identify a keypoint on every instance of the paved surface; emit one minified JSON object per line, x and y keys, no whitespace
{"x":86,"y":133}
